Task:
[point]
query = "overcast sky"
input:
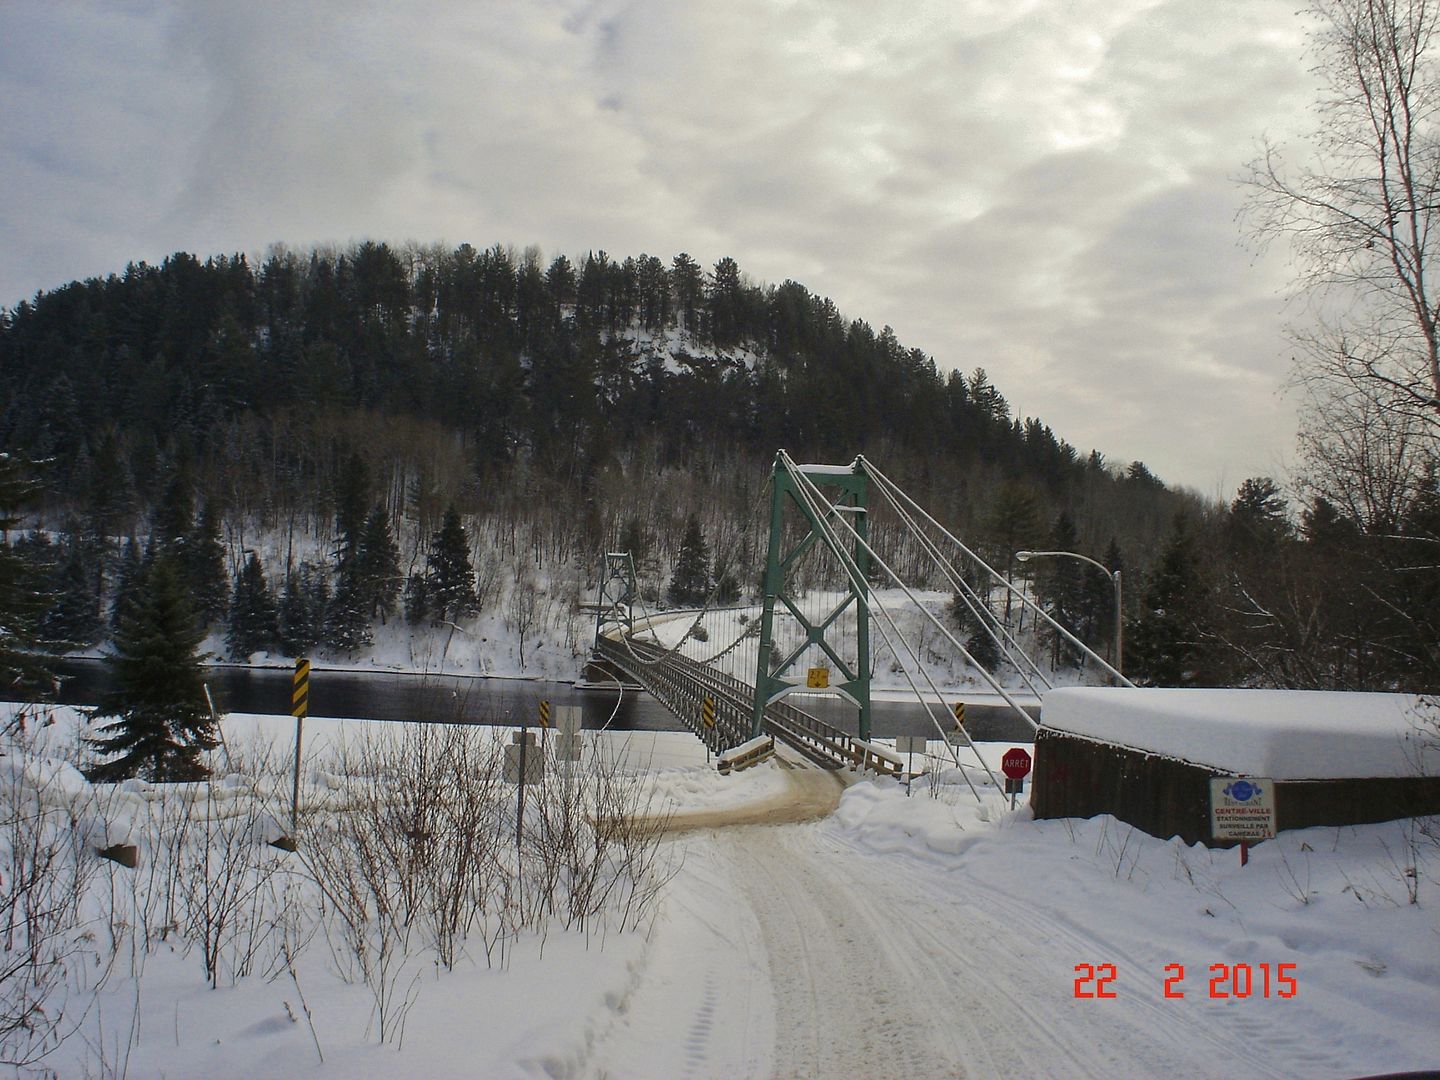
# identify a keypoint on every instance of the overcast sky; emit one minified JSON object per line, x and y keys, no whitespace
{"x":1044,"y":189}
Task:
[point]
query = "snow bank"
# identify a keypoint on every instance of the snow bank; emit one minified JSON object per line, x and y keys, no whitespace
{"x":1282,"y":734}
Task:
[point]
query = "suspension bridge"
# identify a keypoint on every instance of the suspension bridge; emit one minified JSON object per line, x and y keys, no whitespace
{"x":736,"y":676}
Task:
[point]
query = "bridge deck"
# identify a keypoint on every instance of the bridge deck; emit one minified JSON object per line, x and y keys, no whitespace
{"x":682,"y":684}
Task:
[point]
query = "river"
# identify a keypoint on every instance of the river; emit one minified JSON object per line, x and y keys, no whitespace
{"x":451,"y":699}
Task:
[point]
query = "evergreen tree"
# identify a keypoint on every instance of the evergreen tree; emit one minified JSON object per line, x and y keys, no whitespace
{"x":352,"y":495}
{"x":1013,"y":524}
{"x":127,"y":581}
{"x":690,"y":583}
{"x":1258,"y":519}
{"x":450,"y":578}
{"x":1058,"y":587}
{"x":204,"y":568}
{"x":417,"y":599}
{"x":1096,"y":624}
{"x":161,"y":723}
{"x":73,"y":616}
{"x":347,"y":616}
{"x":254,"y":621}
{"x":377,"y":567}
{"x":303,"y":605}
{"x":23,"y":675}
{"x":687,"y":281}
{"x":173,"y":521}
{"x":982,"y":646}
{"x":1166,"y":645}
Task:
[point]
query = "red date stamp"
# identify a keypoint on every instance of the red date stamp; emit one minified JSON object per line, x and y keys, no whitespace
{"x":1226,"y":981}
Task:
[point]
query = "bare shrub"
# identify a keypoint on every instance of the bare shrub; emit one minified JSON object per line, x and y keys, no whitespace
{"x":46,"y":949}
{"x":227,"y":886}
{"x":366,"y":922}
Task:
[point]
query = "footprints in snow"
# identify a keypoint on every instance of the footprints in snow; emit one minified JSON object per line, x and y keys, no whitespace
{"x":697,"y":1042}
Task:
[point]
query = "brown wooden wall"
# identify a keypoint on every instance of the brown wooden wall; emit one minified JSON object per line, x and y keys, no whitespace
{"x":1165,"y":797}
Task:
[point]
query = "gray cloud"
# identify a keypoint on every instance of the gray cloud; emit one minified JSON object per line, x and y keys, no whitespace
{"x":1041,"y":189}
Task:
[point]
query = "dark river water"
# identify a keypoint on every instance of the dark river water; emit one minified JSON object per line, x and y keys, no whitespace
{"x":452,"y":699}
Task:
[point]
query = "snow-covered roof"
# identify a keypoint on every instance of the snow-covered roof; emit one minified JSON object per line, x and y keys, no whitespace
{"x":1282,"y":734}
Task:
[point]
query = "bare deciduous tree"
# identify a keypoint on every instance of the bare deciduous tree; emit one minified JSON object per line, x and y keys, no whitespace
{"x":1361,"y":215}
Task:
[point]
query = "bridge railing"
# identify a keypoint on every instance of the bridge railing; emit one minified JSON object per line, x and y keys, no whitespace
{"x":682,"y":685}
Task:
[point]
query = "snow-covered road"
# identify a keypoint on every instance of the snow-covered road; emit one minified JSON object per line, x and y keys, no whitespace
{"x":797,"y":951}
{"x":885,"y":970}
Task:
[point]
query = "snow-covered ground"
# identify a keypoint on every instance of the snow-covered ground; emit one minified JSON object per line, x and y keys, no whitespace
{"x":910,"y":936}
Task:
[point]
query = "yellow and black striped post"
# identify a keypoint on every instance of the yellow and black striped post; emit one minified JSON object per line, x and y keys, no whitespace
{"x":707,"y":718}
{"x":299,"y":708}
{"x":959,"y":714}
{"x":300,"y":693}
{"x":545,"y":714}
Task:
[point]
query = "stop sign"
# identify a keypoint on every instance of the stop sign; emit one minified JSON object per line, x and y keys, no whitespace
{"x":1016,"y":763}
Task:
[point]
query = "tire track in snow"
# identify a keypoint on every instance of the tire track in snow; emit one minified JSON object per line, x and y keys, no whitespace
{"x":1026,"y":956}
{"x":842,"y":1009}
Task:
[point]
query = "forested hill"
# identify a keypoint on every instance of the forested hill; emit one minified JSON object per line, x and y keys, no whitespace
{"x":560,"y":366}
{"x":344,"y":420}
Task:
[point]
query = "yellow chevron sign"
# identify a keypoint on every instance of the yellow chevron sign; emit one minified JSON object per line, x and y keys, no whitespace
{"x":300,"y":694}
{"x":707,"y":711}
{"x":960,"y":713}
{"x":544,"y":714}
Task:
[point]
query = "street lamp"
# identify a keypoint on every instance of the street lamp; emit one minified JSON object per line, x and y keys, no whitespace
{"x":1113,"y":575}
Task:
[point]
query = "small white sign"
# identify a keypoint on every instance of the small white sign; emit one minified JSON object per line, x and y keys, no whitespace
{"x":911,"y":744}
{"x":534,"y":764}
{"x":568,"y":747}
{"x":567,"y":719}
{"x":1242,"y":808}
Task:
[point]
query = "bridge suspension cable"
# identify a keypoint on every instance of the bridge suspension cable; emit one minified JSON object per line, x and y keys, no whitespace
{"x":910,"y":594}
{"x":895,"y":494}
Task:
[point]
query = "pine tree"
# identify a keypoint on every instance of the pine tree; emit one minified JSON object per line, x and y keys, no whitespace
{"x":450,"y":578}
{"x":352,"y":496}
{"x":690,"y":583}
{"x":1058,"y":587}
{"x":347,"y":616}
{"x":1013,"y":523}
{"x":378,"y":567}
{"x":254,"y":621}
{"x":1096,"y":624}
{"x":161,"y":722}
{"x":417,"y":599}
{"x":1165,"y":644}
{"x":1258,"y":518}
{"x":204,"y":567}
{"x":173,"y":520}
{"x":303,"y":605}
{"x":22,"y":674}
{"x":72,"y":618}
{"x":128,"y":576}
{"x":981,"y":645}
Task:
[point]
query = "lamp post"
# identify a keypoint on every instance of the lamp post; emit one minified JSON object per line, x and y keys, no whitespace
{"x":1113,"y":575}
